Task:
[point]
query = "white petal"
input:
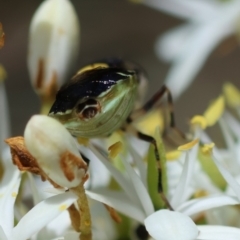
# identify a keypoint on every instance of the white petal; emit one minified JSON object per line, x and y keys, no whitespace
{"x":184,"y":182}
{"x":140,"y":189}
{"x":198,"y":205}
{"x":169,"y":225}
{"x":218,"y":233}
{"x":228,"y":177}
{"x":8,"y":192}
{"x":103,"y":177}
{"x":47,"y":140}
{"x":57,"y":227}
{"x":42,"y":214}
{"x":2,"y":234}
{"x":185,"y":9}
{"x":233,"y":123}
{"x":138,"y":160}
{"x":171,"y":43}
{"x":230,"y":213}
{"x":34,"y":190}
{"x":198,"y":46}
{"x":120,"y":202}
{"x":103,"y":227}
{"x":54,"y":41}
{"x":117,"y":175}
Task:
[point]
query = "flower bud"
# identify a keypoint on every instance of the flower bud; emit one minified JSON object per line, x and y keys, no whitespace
{"x":55,"y":150}
{"x":53,"y":45}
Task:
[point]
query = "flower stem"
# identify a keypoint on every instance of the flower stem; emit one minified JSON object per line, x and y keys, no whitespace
{"x":85,"y":221}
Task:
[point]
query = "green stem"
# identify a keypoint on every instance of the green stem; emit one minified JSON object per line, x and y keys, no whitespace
{"x":85,"y":222}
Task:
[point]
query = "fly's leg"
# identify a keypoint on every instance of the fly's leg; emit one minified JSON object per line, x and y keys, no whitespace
{"x":152,"y":140}
{"x":153,"y":103}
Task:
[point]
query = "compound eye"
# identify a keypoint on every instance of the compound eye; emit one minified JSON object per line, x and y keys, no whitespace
{"x":88,"y":109}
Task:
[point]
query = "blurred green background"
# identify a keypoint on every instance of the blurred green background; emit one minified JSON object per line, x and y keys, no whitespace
{"x":111,"y":28}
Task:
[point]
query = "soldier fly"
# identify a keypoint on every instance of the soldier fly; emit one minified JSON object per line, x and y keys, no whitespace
{"x":103,"y":97}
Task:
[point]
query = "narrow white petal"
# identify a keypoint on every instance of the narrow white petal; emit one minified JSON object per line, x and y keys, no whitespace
{"x":197,"y":49}
{"x":138,"y":160}
{"x":233,"y":123}
{"x":227,"y":134}
{"x":103,"y":226}
{"x":140,"y":189}
{"x":35,"y":194}
{"x":8,"y":192}
{"x":117,"y":175}
{"x":2,"y":234}
{"x":231,"y":216}
{"x":169,"y":45}
{"x":198,"y":205}
{"x":120,"y":202}
{"x":185,"y":9}
{"x":42,"y":214}
{"x":184,"y":182}
{"x":218,"y":233}
{"x":228,"y":177}
{"x":96,"y":180}
{"x":169,"y":225}
{"x":57,"y":227}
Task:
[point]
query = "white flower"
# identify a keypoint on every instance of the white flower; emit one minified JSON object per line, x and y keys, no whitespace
{"x":38,"y":217}
{"x":168,"y":225}
{"x":55,"y":151}
{"x":189,"y":45}
{"x":53,"y":45}
{"x":135,"y":202}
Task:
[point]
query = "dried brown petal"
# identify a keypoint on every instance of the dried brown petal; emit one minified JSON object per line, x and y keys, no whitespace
{"x":113,"y":213}
{"x":24,"y":160}
{"x":20,"y":155}
{"x":68,"y":162}
{"x":75,"y":217}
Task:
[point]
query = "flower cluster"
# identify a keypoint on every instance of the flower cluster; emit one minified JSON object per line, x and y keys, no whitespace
{"x":116,"y":195}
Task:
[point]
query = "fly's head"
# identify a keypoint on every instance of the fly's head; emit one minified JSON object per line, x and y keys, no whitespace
{"x":96,"y":101}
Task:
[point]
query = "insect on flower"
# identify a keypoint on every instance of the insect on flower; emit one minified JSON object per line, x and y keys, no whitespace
{"x":103,"y":97}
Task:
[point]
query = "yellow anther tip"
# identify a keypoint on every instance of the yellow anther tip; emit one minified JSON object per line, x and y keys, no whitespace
{"x":214,"y":111}
{"x":63,"y":207}
{"x":199,"y":120}
{"x":173,"y":155}
{"x":83,"y":141}
{"x":232,"y":95}
{"x":14,"y":194}
{"x":115,"y":149}
{"x":200,"y":193}
{"x":188,"y":146}
{"x":207,"y":148}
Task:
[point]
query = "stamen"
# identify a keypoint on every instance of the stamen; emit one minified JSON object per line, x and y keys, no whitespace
{"x":173,"y":155}
{"x":83,"y":141}
{"x":199,"y":120}
{"x":188,"y":146}
{"x":115,"y":149}
{"x":214,"y":111}
{"x":207,"y":148}
{"x":232,"y":95}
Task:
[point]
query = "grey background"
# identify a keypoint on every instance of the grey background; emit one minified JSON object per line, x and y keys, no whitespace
{"x":111,"y":28}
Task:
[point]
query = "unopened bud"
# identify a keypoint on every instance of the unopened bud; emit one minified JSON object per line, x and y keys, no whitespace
{"x":55,"y":151}
{"x":53,"y":45}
